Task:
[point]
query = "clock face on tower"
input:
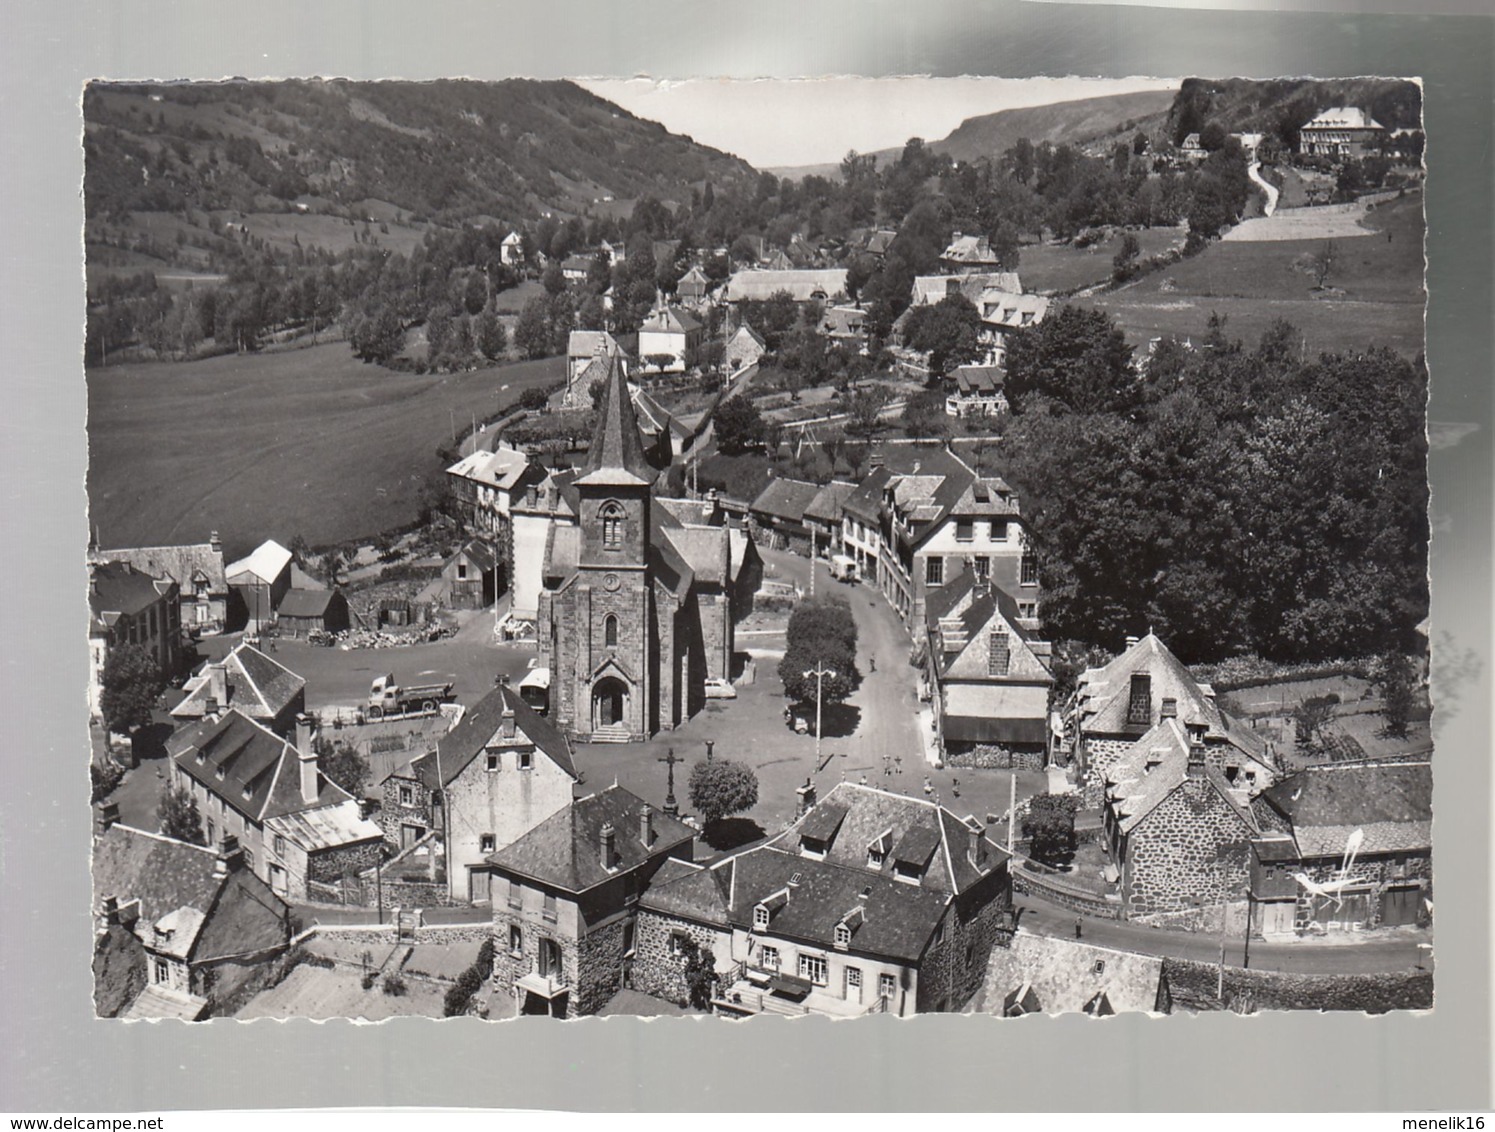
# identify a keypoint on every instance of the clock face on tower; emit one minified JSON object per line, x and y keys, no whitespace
{"x":611,"y":582}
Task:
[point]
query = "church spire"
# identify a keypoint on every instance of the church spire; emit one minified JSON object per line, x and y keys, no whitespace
{"x":617,"y":453}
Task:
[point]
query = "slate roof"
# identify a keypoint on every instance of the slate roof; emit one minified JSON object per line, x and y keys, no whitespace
{"x":654,"y":417}
{"x":785,"y":499}
{"x":253,"y":759}
{"x":1011,"y":309}
{"x":864,"y":502}
{"x":691,"y":891}
{"x":476,"y":551}
{"x":616,"y":457}
{"x":185,"y":565}
{"x":826,"y":506}
{"x":118,"y":587}
{"x":565,"y":850}
{"x":746,"y":329}
{"x":245,"y":917}
{"x":1065,"y":976}
{"x":706,"y":550}
{"x":1392,"y":804}
{"x":267,"y":563}
{"x":981,"y":612}
{"x":306,"y":603}
{"x":1343,"y":118}
{"x":670,"y":320}
{"x":1134,"y":791}
{"x":590,"y":343}
{"x":1103,"y":693}
{"x":843,"y":322}
{"x":479,"y":727}
{"x":502,"y":469}
{"x":979,"y":381}
{"x":162,"y":873}
{"x":970,"y":249}
{"x":930,"y":289}
{"x":259,"y":687}
{"x":803,"y":284}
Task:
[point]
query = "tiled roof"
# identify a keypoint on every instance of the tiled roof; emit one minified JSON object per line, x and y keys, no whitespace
{"x":865,"y":501}
{"x":826,"y":506}
{"x":184,"y":565}
{"x":565,"y":850}
{"x":785,"y":499}
{"x":247,"y":917}
{"x":976,"y":381}
{"x":1155,"y":766}
{"x":982,"y":613}
{"x":266,"y":563}
{"x":1068,"y":977}
{"x":589,"y":343}
{"x":1001,"y":307}
{"x":930,"y":289}
{"x":478,"y":552}
{"x":706,"y":550}
{"x":480,"y":727}
{"x":257,"y":686}
{"x":1343,"y":118}
{"x":1392,"y":804}
{"x":503,"y":468}
{"x":970,"y":249}
{"x":843,"y":322}
{"x":1103,"y":693}
{"x":670,"y":320}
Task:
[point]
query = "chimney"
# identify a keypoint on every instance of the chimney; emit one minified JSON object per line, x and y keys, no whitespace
{"x":307,"y":757}
{"x":1169,"y":709}
{"x":806,"y":798}
{"x":609,"y":846}
{"x":214,"y":543}
{"x":506,"y":728}
{"x":110,"y":911}
{"x":93,"y":580}
{"x":1131,"y":641}
{"x":230,"y":856}
{"x":646,"y":827}
{"x":978,"y":841}
{"x":218,"y":684}
{"x":105,"y":817}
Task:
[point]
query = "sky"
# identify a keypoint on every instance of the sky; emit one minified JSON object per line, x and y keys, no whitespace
{"x":772,"y":123}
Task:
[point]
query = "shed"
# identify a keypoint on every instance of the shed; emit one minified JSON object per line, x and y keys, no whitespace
{"x":471,"y":576}
{"x":302,"y":611}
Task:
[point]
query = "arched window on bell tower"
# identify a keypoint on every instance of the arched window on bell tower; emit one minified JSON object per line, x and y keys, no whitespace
{"x":610,"y":631}
{"x":611,"y":514}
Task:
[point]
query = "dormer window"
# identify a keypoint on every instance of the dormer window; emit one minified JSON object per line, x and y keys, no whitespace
{"x":875,"y":857}
{"x":248,"y":791}
{"x":611,"y":515}
{"x":1139,"y":705}
{"x":1099,"y":968}
{"x":812,"y":847}
{"x":760,"y":918}
{"x":843,"y":936}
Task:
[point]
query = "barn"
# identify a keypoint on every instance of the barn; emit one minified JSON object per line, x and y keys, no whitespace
{"x":470,"y":577}
{"x":301,"y":611}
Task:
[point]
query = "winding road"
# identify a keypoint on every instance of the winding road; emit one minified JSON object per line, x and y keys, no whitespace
{"x":1254,"y":172}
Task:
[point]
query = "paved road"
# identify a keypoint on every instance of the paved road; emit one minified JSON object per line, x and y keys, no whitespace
{"x":1254,"y":172}
{"x":1396,"y":951}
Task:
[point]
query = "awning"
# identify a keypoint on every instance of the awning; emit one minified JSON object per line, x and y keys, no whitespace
{"x":972,"y":729}
{"x":536,"y":678}
{"x":790,"y":987}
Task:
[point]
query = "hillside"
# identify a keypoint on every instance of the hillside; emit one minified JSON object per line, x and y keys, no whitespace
{"x":439,"y":152}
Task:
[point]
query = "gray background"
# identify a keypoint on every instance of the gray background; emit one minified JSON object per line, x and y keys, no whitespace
{"x":55,"y":1057}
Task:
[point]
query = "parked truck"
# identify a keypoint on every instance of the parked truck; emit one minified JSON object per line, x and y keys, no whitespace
{"x":388,"y":698}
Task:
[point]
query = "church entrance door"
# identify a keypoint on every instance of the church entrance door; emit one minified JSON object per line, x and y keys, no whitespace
{"x":609,"y":702}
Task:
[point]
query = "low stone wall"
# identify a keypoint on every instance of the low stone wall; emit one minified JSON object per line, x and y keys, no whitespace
{"x":1193,"y":986}
{"x":1029,"y":883}
{"x":386,"y":933}
{"x":1206,"y":919}
{"x":363,"y":892}
{"x":988,"y":756}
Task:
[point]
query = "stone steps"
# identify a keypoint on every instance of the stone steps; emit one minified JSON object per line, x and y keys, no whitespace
{"x":612,"y":733}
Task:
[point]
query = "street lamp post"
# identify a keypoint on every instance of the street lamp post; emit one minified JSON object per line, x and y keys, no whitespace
{"x":820,"y":674}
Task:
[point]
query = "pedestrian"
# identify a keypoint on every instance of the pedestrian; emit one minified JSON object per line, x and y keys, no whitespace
{"x":1078,"y":928}
{"x":872,"y":663}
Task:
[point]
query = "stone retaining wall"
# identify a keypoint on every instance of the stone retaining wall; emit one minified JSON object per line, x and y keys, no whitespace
{"x":1076,"y":900}
{"x":1193,"y":987}
{"x":990,"y":756}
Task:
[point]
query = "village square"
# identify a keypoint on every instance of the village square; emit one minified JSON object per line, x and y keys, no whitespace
{"x":985,"y":584}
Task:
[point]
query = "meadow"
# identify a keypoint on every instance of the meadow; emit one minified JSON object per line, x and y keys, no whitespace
{"x":256,"y":446}
{"x":1047,"y":268}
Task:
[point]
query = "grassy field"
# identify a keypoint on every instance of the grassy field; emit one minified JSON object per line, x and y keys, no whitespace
{"x":309,"y":442}
{"x":1374,"y":293}
{"x":1061,"y":267}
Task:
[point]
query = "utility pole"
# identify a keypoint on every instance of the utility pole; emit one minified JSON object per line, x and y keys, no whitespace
{"x":820,"y":674}
{"x":1012,"y":812}
{"x":812,"y":566}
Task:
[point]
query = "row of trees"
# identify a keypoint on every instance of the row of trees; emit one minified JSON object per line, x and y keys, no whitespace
{"x":822,"y":636}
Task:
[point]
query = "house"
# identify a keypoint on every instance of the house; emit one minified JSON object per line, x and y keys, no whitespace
{"x":187,"y":923}
{"x":823,"y":519}
{"x":1178,"y":820}
{"x":803,"y":285}
{"x":988,"y":677}
{"x":743,"y":349}
{"x":862,"y":523}
{"x":930,"y":289}
{"x":636,"y":611}
{"x":565,"y":899}
{"x":250,"y":683}
{"x":584,"y":348}
{"x":693,"y":287}
{"x":879,"y":241}
{"x":669,"y":340}
{"x":196,"y":568}
{"x":1041,"y":974}
{"x":486,"y":484}
{"x":1344,"y":848}
{"x":1004,"y":313}
{"x":303,"y":612}
{"x":494,"y":777}
{"x":1190,"y":149}
{"x":969,"y":253}
{"x":575,"y":268}
{"x":127,"y":606}
{"x":1340,"y":132}
{"x":845,"y":327}
{"x":871,"y":902}
{"x":978,"y":392}
{"x":511,"y":250}
{"x":470,"y":576}
{"x":297,"y":828}
{"x":1121,"y":701}
{"x":778,"y":514}
{"x":543,"y":507}
{"x":257,"y":584}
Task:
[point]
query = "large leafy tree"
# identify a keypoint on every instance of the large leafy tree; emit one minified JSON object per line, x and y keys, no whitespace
{"x":738,"y":425}
{"x":948,"y":331}
{"x":179,"y":817}
{"x":1076,"y":358}
{"x":720,"y":788}
{"x":822,"y":636}
{"x":129,"y":688}
{"x":1050,"y":826}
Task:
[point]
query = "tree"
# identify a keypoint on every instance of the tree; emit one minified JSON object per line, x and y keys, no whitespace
{"x":699,"y":973}
{"x":332,"y":564}
{"x":1309,"y":718}
{"x":948,"y":331}
{"x":1124,"y":265}
{"x":1049,"y":826}
{"x":738,"y":425}
{"x":179,"y":817}
{"x":864,"y":410}
{"x":532,"y":331}
{"x":130,"y":686}
{"x":1323,"y":263}
{"x":343,"y":765}
{"x":722,"y":787}
{"x":492,"y":338}
{"x":377,"y":336}
{"x":1398,"y":691}
{"x":1077,"y":357}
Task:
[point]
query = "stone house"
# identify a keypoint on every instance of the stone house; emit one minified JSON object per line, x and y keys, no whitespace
{"x":1178,"y":820}
{"x":495,"y":776}
{"x":303,"y":612}
{"x":988,"y":677}
{"x":1343,"y":848}
{"x":249,"y":682}
{"x":671,"y":333}
{"x":470,"y":576}
{"x":870,"y":902}
{"x":823,"y":517}
{"x":1117,"y":703}
{"x":862,"y":524}
{"x":744,"y":349}
{"x":565,"y":900}
{"x":588,"y":355}
{"x":636,"y":611}
{"x":130,"y":607}
{"x":978,"y":392}
{"x":256,"y":585}
{"x":487,"y":484}
{"x":1341,"y":131}
{"x":969,"y":253}
{"x":778,"y":513}
{"x":295,"y":826}
{"x":196,"y":568}
{"x":205,"y":925}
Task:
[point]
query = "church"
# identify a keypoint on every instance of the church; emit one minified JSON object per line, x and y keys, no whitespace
{"x":639,"y":597}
